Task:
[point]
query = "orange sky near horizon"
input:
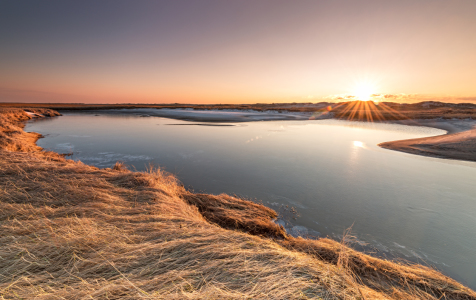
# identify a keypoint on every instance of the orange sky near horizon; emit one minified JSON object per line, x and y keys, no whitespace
{"x":236,"y":52}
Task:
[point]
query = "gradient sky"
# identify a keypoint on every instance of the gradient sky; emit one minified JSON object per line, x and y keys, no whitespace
{"x":235,"y":51}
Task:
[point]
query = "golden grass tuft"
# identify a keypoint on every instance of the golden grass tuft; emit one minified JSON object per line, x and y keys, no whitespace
{"x":233,"y":213}
{"x":12,"y":136}
{"x":72,"y":231}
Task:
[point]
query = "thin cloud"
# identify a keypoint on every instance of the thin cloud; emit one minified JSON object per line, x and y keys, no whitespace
{"x":375,"y":97}
{"x":403,"y":98}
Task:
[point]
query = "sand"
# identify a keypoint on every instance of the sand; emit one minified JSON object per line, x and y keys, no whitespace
{"x":222,"y":116}
{"x":458,"y":143}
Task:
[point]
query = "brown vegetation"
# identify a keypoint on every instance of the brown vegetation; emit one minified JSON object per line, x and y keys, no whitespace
{"x":307,"y":107}
{"x":68,"y":230}
{"x":12,"y":136}
{"x":389,"y":111}
{"x":351,"y":110}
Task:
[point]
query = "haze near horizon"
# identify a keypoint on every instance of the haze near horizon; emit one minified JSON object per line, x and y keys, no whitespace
{"x":237,"y":51}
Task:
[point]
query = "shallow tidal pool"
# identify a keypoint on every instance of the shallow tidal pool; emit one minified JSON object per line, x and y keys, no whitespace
{"x":332,"y":172}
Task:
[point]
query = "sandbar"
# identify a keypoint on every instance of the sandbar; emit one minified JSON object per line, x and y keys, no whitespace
{"x":458,"y":143}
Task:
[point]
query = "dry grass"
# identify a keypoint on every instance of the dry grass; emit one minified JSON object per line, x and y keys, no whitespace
{"x":388,"y":111}
{"x":307,"y":107}
{"x":353,"y":110}
{"x":72,"y":231}
{"x":12,"y":136}
{"x":233,"y":213}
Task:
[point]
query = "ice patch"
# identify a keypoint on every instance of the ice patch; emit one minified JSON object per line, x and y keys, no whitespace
{"x":299,"y":231}
{"x":216,"y":115}
{"x":399,"y":246}
{"x":80,"y":136}
{"x":106,"y":159}
{"x":292,"y":202}
{"x":64,"y":146}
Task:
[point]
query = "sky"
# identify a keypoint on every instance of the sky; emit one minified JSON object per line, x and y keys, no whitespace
{"x":247,"y":51}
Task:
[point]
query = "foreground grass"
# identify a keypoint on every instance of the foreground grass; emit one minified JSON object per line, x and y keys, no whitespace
{"x":72,"y":231}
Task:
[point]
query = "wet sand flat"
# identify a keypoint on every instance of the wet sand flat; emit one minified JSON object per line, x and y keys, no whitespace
{"x":459,"y":143}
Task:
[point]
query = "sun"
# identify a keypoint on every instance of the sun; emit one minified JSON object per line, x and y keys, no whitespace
{"x":363,"y":92}
{"x":364,"y":89}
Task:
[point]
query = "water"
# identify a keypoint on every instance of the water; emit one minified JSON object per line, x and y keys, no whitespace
{"x":402,"y":205}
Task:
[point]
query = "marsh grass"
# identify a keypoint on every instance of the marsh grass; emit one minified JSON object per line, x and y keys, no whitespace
{"x":72,"y":231}
{"x":348,"y":110}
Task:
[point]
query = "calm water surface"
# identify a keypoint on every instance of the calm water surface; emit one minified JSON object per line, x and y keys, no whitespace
{"x":418,"y":208}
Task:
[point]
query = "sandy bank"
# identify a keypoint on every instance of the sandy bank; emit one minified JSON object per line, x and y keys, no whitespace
{"x":459,"y":142}
{"x":222,"y":116}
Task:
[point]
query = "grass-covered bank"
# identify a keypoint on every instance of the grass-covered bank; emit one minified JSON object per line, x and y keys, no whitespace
{"x":71,"y":231}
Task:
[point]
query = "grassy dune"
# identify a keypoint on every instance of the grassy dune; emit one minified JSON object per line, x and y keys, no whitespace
{"x":73,"y":231}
